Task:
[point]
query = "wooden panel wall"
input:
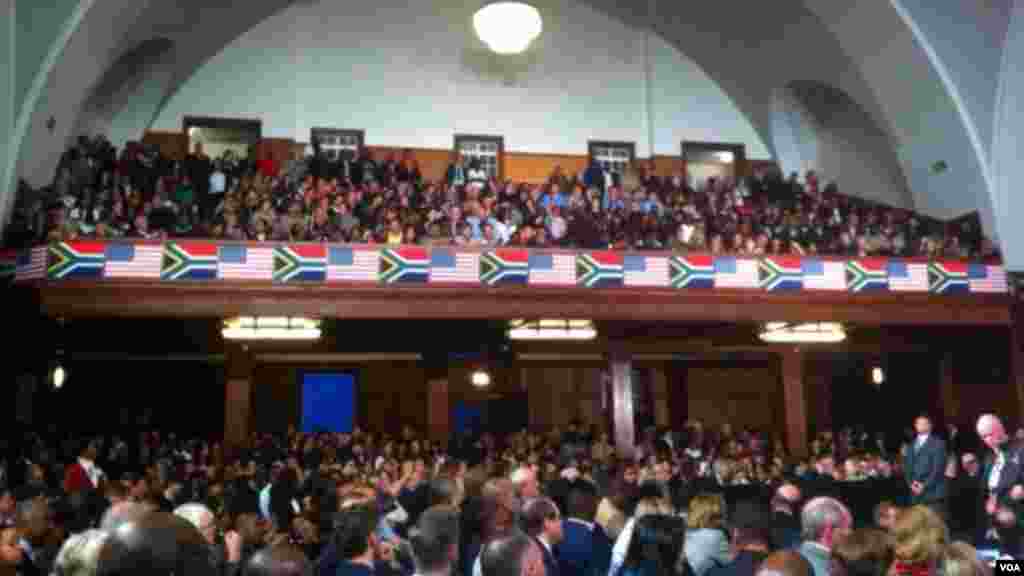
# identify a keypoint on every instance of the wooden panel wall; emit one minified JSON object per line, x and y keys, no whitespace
{"x":433,"y":162}
{"x":279,"y":149}
{"x":748,"y":396}
{"x":171,"y":144}
{"x":668,"y":166}
{"x":537,"y":168}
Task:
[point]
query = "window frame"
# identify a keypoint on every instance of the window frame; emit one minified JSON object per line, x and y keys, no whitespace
{"x":594,"y":144}
{"x":319,"y":131}
{"x":499,"y":141}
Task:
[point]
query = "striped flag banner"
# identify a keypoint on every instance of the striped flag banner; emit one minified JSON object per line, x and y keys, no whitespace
{"x":823,"y":275}
{"x":245,"y":263}
{"x":908,"y":276}
{"x":552,"y":269}
{"x":346,"y":264}
{"x":733,"y":272}
{"x":651,"y":271}
{"x":987,"y":279}
{"x":450,"y":266}
{"x":31,"y":264}
{"x":142,"y":261}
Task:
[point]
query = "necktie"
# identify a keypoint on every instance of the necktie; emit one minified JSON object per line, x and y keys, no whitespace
{"x":997,"y":471}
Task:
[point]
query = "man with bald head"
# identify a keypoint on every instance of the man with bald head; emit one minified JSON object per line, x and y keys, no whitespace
{"x":282,"y":560}
{"x":156,"y":544}
{"x":1002,"y":476}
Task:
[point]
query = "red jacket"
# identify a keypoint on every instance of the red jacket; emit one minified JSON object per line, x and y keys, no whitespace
{"x":76,"y":479}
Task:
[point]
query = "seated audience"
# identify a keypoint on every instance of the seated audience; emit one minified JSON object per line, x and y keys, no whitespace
{"x":919,"y":539}
{"x":865,"y":552}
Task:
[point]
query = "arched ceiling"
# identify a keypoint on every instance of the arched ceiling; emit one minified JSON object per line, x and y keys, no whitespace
{"x":864,"y":49}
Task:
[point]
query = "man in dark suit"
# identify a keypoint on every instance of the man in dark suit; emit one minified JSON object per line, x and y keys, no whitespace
{"x":1002,"y":485}
{"x":751,"y":532}
{"x":585,"y":549}
{"x":925,"y":467}
{"x":542,"y":522}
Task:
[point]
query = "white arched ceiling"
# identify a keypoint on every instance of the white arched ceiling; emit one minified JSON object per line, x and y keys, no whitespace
{"x":927,"y":76}
{"x":1008,"y":143}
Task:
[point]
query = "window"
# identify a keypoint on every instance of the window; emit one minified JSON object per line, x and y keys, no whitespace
{"x":614,"y":157}
{"x":488,"y":150}
{"x":335,"y":143}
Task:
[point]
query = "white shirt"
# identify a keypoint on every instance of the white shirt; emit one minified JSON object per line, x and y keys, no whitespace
{"x":997,"y":471}
{"x":217,"y":182}
{"x":921,"y":439}
{"x":621,"y":547}
{"x":589,"y":525}
{"x":92,"y":471}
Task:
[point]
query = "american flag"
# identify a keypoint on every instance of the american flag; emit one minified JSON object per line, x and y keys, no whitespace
{"x":736,"y":272}
{"x":452,"y":266}
{"x":352,"y":265}
{"x":554,"y":269}
{"x":645,"y":270}
{"x":823,"y":275}
{"x":908,"y":277}
{"x":133,"y":261}
{"x":31,"y":265}
{"x":245,"y":263}
{"x":984,"y":279}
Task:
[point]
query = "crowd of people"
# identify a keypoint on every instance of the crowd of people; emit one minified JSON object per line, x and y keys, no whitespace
{"x":690,"y":502}
{"x":101,"y":192}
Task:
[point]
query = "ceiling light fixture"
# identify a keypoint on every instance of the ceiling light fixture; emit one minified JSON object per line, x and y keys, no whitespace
{"x":877,"y":376}
{"x":271,"y":328}
{"x":508,"y":27}
{"x":806,"y":333}
{"x":480,"y":378}
{"x":552,"y":330}
{"x":59,"y":376}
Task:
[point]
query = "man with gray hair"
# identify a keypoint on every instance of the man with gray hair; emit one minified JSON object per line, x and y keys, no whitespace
{"x":823,"y":521}
{"x":1002,"y":477}
{"x":121,"y":513}
{"x":80,"y":554}
{"x":524,"y":479}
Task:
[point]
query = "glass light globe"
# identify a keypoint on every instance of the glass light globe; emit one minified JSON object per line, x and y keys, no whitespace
{"x":507,"y":27}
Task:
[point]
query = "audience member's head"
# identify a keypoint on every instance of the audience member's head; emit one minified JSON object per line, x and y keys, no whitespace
{"x":514,"y":554}
{"x":201,"y":517}
{"x":499,"y":507}
{"x":157,"y":544}
{"x":785,"y":563}
{"x":961,"y":559}
{"x":919,"y":536}
{"x":122,"y":512}
{"x":541,"y":519}
{"x":582,"y":501}
{"x":656,"y":545}
{"x":444,"y":492}
{"x":866,"y":552}
{"x":435,"y":540}
{"x":885,"y":514}
{"x":354,"y":532}
{"x":750,"y":525}
{"x":824,"y":520}
{"x":991,"y":431}
{"x":787,"y":498}
{"x":705,"y":511}
{"x":33,"y":519}
{"x":282,"y":560}
{"x":524,"y":479}
{"x":80,"y":554}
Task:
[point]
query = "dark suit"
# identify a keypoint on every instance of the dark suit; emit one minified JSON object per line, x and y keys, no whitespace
{"x":1012,"y":474}
{"x":926,"y":464}
{"x":785,"y":530}
{"x":584,"y":551}
{"x":745,"y":564}
{"x":550,"y":563}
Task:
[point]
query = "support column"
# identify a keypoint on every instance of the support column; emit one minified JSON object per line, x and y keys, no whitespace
{"x":623,"y":424}
{"x":238,"y":373}
{"x":678,"y":394}
{"x":795,"y":396}
{"x":947,"y":391}
{"x":438,"y":409}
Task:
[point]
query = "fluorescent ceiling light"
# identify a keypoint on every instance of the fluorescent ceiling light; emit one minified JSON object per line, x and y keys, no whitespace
{"x":808,"y":333}
{"x":552,"y":330}
{"x":271,"y":328}
{"x":507,"y":27}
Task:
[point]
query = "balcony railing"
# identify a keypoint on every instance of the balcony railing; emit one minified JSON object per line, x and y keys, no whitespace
{"x":333,"y":264}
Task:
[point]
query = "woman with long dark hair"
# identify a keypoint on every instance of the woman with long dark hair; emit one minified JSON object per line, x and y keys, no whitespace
{"x":655,"y":547}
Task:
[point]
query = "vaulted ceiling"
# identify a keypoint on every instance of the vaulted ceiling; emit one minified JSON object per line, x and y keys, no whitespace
{"x":933,"y":96}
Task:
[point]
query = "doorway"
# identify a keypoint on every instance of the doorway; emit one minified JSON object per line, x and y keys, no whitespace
{"x":706,"y":160}
{"x":220,"y":136}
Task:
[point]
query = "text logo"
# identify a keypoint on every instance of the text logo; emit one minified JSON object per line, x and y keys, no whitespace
{"x":1009,"y":567}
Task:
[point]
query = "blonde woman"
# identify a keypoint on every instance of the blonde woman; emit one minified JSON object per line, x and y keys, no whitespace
{"x":920,"y":538}
{"x":706,"y":544}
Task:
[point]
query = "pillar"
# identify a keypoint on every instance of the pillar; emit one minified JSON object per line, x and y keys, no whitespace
{"x":659,"y":390}
{"x":678,"y":393}
{"x":623,"y":415}
{"x":795,"y":396}
{"x":438,"y":423}
{"x":238,"y":376}
{"x":947,"y":391}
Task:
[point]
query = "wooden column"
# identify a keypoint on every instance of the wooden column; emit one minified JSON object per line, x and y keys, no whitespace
{"x":795,"y":396}
{"x":438,"y":418}
{"x":238,"y":376}
{"x":947,"y":391}
{"x":624,"y":427}
{"x":678,"y":394}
